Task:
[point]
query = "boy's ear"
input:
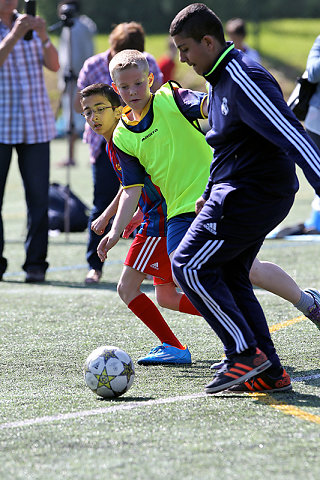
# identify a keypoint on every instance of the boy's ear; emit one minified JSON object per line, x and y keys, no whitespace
{"x":150,"y":79}
{"x":118,"y":112}
{"x":209,"y":41}
{"x":115,"y":88}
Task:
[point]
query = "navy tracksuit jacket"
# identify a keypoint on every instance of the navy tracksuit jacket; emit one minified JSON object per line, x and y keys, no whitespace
{"x":257,"y":141}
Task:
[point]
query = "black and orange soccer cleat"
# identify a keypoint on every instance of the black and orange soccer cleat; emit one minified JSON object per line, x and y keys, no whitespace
{"x":264,"y":383}
{"x":238,"y":369}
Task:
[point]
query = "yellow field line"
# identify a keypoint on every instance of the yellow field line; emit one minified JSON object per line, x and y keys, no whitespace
{"x":281,"y":406}
{"x":287,"y":323}
{"x":285,"y":408}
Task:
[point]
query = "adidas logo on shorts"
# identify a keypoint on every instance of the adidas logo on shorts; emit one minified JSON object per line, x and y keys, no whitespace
{"x":155,"y":266}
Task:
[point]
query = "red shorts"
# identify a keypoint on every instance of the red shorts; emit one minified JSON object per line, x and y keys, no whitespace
{"x":149,"y":255}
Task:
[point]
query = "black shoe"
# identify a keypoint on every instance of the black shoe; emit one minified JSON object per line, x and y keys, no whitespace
{"x":35,"y":276}
{"x":264,"y":383}
{"x":237,"y":370}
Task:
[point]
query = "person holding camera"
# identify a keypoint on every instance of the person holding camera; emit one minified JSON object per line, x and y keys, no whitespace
{"x":27,"y":124}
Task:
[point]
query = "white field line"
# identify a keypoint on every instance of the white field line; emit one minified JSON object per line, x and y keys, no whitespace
{"x":99,"y":411}
{"x":118,"y":408}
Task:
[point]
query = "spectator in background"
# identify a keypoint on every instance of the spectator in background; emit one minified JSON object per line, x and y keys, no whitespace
{"x":82,"y":47}
{"x":167,"y":63}
{"x":312,"y":122}
{"x":105,"y":182}
{"x":312,"y":125}
{"x":236,"y":31}
{"x":27,"y":124}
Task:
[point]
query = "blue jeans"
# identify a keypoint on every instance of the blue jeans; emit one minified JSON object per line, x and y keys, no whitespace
{"x":105,"y":188}
{"x":33,"y":161}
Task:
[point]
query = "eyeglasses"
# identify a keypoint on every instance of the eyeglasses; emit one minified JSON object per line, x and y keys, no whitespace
{"x":87,"y":114}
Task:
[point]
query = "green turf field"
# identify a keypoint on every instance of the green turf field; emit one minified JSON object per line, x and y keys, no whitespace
{"x":53,"y":427}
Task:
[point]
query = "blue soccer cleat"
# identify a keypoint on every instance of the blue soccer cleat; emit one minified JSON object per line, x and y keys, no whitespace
{"x":165,"y":354}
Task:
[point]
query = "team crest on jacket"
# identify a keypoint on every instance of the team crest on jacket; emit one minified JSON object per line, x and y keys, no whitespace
{"x":224,"y":106}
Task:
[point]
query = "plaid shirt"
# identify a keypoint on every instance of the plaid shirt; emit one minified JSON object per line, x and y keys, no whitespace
{"x":26,"y":114}
{"x":96,"y":70}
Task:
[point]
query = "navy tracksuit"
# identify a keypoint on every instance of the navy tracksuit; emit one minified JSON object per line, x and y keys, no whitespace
{"x":257,"y":141}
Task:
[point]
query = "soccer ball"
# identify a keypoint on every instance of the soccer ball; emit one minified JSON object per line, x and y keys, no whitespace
{"x":109,"y":371}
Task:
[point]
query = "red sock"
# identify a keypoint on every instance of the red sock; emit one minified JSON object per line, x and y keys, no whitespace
{"x":146,"y":310}
{"x":185,"y":306}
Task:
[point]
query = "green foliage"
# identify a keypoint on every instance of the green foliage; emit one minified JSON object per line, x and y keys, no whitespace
{"x":156,"y":16}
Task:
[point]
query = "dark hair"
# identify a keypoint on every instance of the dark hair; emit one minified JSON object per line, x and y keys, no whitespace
{"x":101,"y":89}
{"x":127,"y":35}
{"x":196,"y":21}
{"x":236,"y":26}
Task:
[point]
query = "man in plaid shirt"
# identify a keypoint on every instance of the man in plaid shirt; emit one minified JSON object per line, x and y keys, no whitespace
{"x":96,"y":70}
{"x":27,"y":123}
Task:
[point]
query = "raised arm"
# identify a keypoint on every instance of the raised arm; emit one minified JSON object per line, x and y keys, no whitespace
{"x":21,"y":26}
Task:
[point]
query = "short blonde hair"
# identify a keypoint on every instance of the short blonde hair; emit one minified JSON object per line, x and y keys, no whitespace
{"x":126,"y":59}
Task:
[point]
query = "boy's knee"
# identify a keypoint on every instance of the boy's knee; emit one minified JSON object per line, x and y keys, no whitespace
{"x":161,"y":299}
{"x":122,"y":291}
{"x":254,"y":275}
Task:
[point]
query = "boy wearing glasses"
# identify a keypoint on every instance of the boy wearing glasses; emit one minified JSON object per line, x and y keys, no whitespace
{"x":147,"y":254}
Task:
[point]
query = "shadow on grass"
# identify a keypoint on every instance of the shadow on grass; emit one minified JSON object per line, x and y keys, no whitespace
{"x":125,"y":399}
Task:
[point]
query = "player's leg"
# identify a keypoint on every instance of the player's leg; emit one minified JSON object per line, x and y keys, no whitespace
{"x":197,"y":267}
{"x":143,"y":256}
{"x":236,"y":276}
{"x":168,"y":296}
{"x":273,"y":278}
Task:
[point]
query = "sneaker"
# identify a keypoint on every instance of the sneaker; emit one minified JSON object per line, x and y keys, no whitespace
{"x":35,"y":276}
{"x":165,"y":354}
{"x":93,"y":276}
{"x":264,"y":383}
{"x":218,"y":365}
{"x":314,"y":310}
{"x":238,"y":369}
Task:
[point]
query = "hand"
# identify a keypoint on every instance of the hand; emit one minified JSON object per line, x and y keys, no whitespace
{"x":39,"y":25}
{"x":99,"y":225}
{"x":22,"y":25}
{"x":109,"y":241}
{"x":199,"y":205}
{"x":135,"y":222}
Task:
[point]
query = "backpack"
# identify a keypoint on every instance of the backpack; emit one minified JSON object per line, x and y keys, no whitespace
{"x":78,"y":211}
{"x":301,"y":95}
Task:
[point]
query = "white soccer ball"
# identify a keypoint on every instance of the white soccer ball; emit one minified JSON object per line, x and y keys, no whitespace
{"x":109,"y":371}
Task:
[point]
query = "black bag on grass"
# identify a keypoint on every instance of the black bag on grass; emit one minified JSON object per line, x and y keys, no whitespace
{"x":78,"y":211}
{"x":301,"y":95}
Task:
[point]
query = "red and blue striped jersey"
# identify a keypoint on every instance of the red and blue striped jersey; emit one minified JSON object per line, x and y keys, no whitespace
{"x":151,"y":202}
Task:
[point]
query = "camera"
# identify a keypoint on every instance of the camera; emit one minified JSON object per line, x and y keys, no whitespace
{"x":67,"y":12}
{"x":30,"y":9}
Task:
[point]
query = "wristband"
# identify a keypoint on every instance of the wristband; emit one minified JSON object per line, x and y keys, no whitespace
{"x":46,"y":43}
